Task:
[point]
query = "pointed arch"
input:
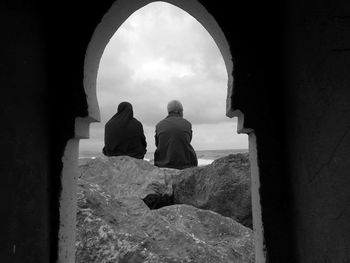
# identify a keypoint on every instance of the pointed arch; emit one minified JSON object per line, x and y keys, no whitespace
{"x":110,"y":23}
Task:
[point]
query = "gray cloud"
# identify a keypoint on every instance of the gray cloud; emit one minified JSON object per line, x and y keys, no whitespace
{"x":161,"y":53}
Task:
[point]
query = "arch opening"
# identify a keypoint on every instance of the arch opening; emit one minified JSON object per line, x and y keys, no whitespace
{"x":118,"y":13}
{"x":158,"y":54}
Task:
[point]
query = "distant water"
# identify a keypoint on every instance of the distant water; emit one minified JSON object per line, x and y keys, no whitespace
{"x":204,"y":157}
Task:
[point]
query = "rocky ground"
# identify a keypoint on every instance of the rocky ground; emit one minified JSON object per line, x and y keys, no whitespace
{"x":132,"y":211}
{"x":223,"y":187}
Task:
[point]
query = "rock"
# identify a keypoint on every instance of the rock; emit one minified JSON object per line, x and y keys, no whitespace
{"x":103,"y":224}
{"x":206,"y":236}
{"x":124,"y":176}
{"x":158,"y":195}
{"x":223,"y":186}
{"x":122,"y":230}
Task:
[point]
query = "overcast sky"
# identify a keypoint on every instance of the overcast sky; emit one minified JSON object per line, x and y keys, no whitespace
{"x":162,"y":53}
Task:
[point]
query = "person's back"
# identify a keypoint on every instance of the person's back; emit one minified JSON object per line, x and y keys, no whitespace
{"x":173,"y":140}
{"x":124,"y":134}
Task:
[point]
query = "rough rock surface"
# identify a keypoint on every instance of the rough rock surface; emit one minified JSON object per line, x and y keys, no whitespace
{"x":124,"y":176}
{"x":122,"y":230}
{"x":223,"y":186}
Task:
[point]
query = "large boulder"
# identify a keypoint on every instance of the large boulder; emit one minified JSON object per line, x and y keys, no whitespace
{"x":124,"y":176}
{"x":223,"y":186}
{"x":111,"y":229}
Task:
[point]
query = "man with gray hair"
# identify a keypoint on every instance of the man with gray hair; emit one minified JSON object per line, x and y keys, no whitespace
{"x":173,"y":140}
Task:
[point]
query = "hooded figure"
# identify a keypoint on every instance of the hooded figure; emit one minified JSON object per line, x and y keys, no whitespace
{"x":124,"y":134}
{"x":173,"y":140}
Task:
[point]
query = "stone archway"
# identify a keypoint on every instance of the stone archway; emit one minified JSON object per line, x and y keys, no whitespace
{"x":109,"y":24}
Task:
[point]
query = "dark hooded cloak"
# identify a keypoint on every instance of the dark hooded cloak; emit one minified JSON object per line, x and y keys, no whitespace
{"x":124,"y":134}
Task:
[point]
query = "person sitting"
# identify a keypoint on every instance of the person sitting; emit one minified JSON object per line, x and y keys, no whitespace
{"x":124,"y":134}
{"x":173,"y":140}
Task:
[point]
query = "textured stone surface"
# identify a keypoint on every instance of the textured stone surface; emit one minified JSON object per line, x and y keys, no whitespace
{"x":103,"y":224}
{"x":124,"y":176}
{"x":125,"y":230}
{"x":223,"y":186}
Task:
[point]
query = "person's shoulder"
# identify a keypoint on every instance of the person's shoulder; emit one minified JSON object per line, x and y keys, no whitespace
{"x":180,"y":122}
{"x":137,"y":122}
{"x":186,"y":121}
{"x":160,"y":122}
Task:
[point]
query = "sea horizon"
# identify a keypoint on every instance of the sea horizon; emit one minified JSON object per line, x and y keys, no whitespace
{"x":94,"y":153}
{"x":204,"y":157}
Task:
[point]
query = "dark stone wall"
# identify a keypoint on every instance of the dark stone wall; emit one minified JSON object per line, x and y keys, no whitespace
{"x":318,"y":128}
{"x":291,"y":63}
{"x":24,"y":136}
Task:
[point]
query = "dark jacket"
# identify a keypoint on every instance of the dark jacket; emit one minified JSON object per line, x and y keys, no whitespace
{"x":124,"y":134}
{"x":173,"y":140}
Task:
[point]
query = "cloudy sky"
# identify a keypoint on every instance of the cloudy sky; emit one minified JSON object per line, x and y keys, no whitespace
{"x":162,"y":53}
